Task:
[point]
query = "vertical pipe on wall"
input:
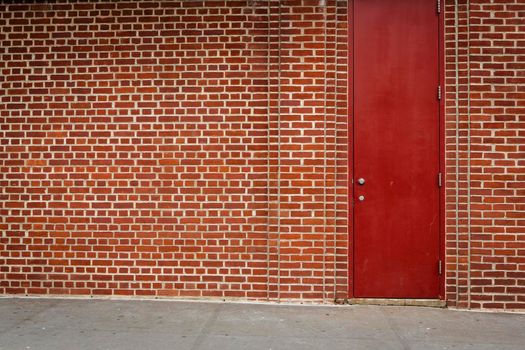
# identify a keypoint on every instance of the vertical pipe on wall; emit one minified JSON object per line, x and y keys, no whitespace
{"x":325,"y":173}
{"x":336,"y":115}
{"x":456,"y":60}
{"x":469,"y":297}
{"x":268,"y":138}
{"x":279,"y":155}
{"x":468,"y":152}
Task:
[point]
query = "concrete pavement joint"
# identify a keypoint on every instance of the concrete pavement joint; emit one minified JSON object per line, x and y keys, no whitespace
{"x":206,"y":328}
{"x":395,"y":330}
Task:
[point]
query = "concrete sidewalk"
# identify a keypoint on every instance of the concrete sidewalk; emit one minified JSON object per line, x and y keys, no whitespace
{"x":116,"y":324}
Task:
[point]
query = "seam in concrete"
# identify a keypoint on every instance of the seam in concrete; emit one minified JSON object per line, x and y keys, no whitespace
{"x":205,"y":330}
{"x":395,"y":330}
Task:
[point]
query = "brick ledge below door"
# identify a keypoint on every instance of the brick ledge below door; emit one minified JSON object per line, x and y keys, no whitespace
{"x":398,"y":302}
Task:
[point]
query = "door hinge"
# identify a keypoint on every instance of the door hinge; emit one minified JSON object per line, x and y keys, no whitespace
{"x":440,"y":180}
{"x":440,"y":267}
{"x":439,"y":92}
{"x":439,"y":6}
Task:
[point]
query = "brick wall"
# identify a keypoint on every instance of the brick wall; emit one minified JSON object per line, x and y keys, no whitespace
{"x":485,"y":121}
{"x":199,"y":149}
{"x":176,"y":148}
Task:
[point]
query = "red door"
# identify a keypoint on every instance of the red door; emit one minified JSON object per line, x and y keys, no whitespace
{"x":396,"y":149}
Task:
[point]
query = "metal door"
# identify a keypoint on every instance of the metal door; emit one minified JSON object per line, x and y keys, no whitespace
{"x":396,"y":149}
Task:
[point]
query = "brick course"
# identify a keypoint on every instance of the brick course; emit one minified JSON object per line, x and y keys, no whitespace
{"x":200,"y":149}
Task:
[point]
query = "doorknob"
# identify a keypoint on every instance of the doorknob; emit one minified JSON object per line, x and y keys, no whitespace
{"x":361,"y":181}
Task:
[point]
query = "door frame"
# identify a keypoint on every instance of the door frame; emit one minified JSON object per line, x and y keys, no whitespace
{"x":351,"y":150}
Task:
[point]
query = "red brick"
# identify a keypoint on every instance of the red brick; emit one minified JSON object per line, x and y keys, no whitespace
{"x":182,"y":152}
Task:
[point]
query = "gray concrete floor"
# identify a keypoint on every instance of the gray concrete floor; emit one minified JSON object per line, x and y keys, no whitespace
{"x":118,"y":324}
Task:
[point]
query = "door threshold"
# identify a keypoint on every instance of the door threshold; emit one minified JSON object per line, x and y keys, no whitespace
{"x":398,"y":302}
